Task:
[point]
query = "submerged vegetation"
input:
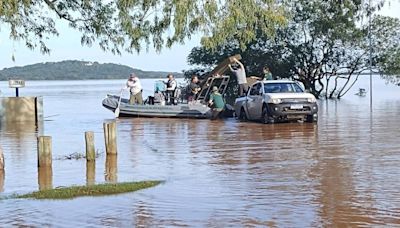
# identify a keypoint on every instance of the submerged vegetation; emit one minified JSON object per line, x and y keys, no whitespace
{"x":92,"y":190}
{"x":79,"y":156}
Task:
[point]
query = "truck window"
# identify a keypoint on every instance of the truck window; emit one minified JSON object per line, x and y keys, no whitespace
{"x":255,"y":89}
{"x":282,"y":88}
{"x":297,"y":88}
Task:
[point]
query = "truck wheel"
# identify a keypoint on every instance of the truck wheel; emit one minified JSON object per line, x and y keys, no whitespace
{"x":242,"y":116}
{"x":266,"y":118}
{"x":311,"y":119}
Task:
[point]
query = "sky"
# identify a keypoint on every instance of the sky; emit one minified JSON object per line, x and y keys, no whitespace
{"x":67,"y":47}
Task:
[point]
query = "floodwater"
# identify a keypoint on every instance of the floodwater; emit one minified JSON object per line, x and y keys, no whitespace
{"x":343,"y":171}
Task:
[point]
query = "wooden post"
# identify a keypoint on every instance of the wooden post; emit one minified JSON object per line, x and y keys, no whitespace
{"x":110,"y":137}
{"x":1,"y":160}
{"x":111,"y":168}
{"x":44,"y":151}
{"x":90,"y":173}
{"x":2,"y":175}
{"x":45,"y":178}
{"x":1,"y":170}
{"x":90,"y":151}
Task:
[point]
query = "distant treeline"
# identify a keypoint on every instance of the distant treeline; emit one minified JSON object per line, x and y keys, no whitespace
{"x":76,"y":70}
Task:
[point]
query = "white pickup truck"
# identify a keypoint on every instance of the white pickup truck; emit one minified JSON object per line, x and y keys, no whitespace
{"x":277,"y":100}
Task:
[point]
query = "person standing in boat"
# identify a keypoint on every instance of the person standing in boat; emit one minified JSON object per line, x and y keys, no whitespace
{"x":135,"y":88}
{"x":194,"y":88}
{"x":216,"y":102}
{"x":171,"y":87}
{"x":240,"y":73}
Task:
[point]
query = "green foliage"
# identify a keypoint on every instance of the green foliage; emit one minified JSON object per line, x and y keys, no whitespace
{"x":325,"y":46}
{"x":91,"y":190}
{"x":76,"y":70}
{"x":386,"y":52}
{"x":257,"y":54}
{"x":131,"y":24}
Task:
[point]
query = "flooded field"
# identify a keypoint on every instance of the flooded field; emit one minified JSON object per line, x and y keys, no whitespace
{"x":343,"y":171}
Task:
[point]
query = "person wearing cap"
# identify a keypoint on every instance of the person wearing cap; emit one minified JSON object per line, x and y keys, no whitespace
{"x":216,"y":102}
{"x":135,"y":88}
{"x":171,"y":87}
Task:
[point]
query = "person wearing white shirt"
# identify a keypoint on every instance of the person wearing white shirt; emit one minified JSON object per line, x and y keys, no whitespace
{"x":240,"y":73}
{"x":171,"y":87}
{"x":135,"y":88}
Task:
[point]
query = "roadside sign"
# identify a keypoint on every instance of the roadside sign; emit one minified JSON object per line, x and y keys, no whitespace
{"x":16,"y":83}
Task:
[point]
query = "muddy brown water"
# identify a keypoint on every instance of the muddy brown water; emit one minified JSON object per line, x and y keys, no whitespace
{"x":343,"y":171}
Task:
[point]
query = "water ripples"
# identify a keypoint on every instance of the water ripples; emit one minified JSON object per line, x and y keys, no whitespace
{"x":342,"y":171}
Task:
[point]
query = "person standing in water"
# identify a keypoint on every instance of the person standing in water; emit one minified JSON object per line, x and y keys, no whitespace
{"x":216,"y":102}
{"x":135,"y":89}
{"x":240,"y":73}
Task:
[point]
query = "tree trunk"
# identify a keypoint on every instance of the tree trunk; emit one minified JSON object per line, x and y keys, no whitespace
{"x":334,"y":88}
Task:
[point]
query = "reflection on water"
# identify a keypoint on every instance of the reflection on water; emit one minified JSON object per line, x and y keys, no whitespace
{"x":341,"y":172}
{"x":143,"y":216}
{"x":111,"y":169}
{"x":45,"y":178}
{"x":2,"y":176}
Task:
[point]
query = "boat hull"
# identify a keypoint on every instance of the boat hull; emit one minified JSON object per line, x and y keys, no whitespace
{"x":197,"y":111}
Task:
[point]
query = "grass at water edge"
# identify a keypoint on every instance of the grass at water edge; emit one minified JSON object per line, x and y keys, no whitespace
{"x":91,"y":190}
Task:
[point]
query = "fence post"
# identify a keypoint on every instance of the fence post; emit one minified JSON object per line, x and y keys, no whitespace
{"x":90,"y":150}
{"x":44,"y":151}
{"x":111,"y":168}
{"x":2,"y":180}
{"x":110,"y":137}
{"x":1,"y":170}
{"x":45,"y":178}
{"x":90,"y":173}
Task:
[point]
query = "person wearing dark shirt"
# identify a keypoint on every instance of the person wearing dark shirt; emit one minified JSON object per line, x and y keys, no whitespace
{"x":194,"y":88}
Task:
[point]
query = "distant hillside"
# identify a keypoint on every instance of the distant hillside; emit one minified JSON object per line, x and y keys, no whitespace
{"x":76,"y":70}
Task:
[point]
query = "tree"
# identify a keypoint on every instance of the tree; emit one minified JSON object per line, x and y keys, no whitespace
{"x":325,"y":46}
{"x":386,"y":36}
{"x":131,"y":24}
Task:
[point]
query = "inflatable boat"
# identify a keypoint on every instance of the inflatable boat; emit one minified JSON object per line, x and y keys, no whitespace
{"x":155,"y":106}
{"x":197,"y":110}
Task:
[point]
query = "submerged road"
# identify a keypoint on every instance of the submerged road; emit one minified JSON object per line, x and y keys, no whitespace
{"x":343,"y":171}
